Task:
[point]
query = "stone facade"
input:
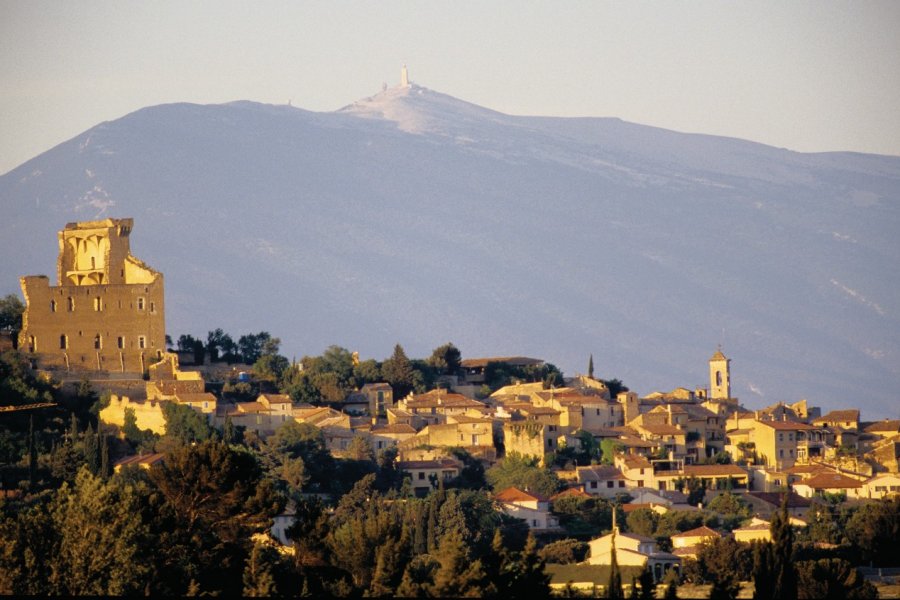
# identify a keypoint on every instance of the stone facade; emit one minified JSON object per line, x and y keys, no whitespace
{"x":106,"y":312}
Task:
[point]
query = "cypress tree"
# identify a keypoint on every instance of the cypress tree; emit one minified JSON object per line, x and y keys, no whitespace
{"x":104,"y":455}
{"x":32,"y":454}
{"x":614,"y":587}
{"x":91,"y":450}
{"x":73,"y":428}
{"x":763,"y":584}
{"x":783,"y":573}
{"x":591,"y":367}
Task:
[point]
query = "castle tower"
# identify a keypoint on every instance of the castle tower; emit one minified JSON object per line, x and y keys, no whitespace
{"x":719,"y":376}
{"x":106,"y":312}
{"x":404,"y":77}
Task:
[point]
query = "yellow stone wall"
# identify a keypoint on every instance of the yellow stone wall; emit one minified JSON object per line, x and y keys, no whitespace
{"x":148,"y":413}
{"x":106,"y":312}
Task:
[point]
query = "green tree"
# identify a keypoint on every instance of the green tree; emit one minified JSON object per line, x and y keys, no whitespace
{"x":398,"y":371}
{"x":874,"y":529}
{"x":446,"y":359}
{"x":522,"y":473}
{"x":763,"y":560}
{"x":831,"y":579}
{"x":564,"y":552}
{"x":251,"y":346}
{"x":11,"y":310}
{"x":185,"y":424}
{"x":260,"y":572}
{"x":591,"y":367}
{"x":783,"y":573}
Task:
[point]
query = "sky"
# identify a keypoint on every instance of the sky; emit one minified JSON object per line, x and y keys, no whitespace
{"x":810,"y":76}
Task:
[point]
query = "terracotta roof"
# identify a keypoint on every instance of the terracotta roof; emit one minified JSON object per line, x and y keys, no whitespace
{"x":377,"y":386}
{"x":828,"y":481}
{"x":636,"y":462}
{"x":702,"y":531}
{"x":572,"y":492}
{"x":787,"y":425}
{"x":890,"y":426}
{"x":276,"y":398}
{"x":841,"y":416}
{"x":714,"y":470}
{"x":512,"y":494}
{"x":794,"y":500}
{"x":599,"y":472}
{"x":394,"y":428}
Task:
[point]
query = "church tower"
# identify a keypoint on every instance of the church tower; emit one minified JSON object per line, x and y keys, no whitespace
{"x":404,"y":77}
{"x":719,"y":376}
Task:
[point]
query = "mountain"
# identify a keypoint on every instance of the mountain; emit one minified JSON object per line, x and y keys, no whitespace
{"x":417,"y":218}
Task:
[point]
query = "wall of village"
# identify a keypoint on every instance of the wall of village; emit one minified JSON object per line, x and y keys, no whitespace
{"x":148,"y":413}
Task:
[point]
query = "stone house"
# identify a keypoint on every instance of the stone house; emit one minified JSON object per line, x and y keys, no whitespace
{"x":533,"y":508}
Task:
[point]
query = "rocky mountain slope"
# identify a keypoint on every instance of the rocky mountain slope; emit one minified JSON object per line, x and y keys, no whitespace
{"x":417,"y":218}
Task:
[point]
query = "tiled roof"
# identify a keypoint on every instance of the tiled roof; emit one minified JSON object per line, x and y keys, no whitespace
{"x":828,"y":481}
{"x":395,"y":428}
{"x":599,"y":472}
{"x":794,"y":500}
{"x":572,"y":492}
{"x":840,"y":416}
{"x":714,"y":470}
{"x":195,"y":397}
{"x":702,"y":531}
{"x":512,"y":494}
{"x":787,"y":425}
{"x":889,"y":426}
{"x":276,"y":398}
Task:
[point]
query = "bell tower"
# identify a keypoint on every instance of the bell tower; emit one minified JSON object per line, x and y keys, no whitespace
{"x":719,"y":376}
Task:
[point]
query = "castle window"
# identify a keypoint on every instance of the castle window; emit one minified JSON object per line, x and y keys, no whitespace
{"x":71,"y":303}
{"x":98,"y":342}
{"x":140,"y":304}
{"x":718,"y":377}
{"x":142,"y":341}
{"x":121,"y":342}
{"x":32,"y":344}
{"x":93,"y":262}
{"x":63,"y":342}
{"x":53,"y":306}
{"x":97,"y":304}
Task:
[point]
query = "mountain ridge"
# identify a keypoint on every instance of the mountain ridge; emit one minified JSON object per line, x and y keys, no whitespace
{"x":550,"y":237}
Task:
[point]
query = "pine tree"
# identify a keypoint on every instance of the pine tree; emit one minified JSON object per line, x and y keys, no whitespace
{"x":259,"y":574}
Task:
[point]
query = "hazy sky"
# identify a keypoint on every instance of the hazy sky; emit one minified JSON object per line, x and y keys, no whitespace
{"x":809,"y":76}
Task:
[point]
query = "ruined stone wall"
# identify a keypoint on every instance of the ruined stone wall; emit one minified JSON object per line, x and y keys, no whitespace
{"x":106,"y":312}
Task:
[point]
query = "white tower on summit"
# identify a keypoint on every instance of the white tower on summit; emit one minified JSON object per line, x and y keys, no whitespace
{"x":404,"y":77}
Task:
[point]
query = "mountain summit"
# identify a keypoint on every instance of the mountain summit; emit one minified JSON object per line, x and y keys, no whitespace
{"x":415,"y":217}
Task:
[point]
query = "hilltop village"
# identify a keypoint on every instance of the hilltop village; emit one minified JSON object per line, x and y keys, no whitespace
{"x":580,"y":480}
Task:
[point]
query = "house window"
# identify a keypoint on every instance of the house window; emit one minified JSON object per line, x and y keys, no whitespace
{"x":421,"y":475}
{"x":63,"y":342}
{"x":609,"y":484}
{"x":120,"y":342}
{"x":593,"y":485}
{"x":98,"y":342}
{"x":598,"y":412}
{"x":621,"y":484}
{"x":142,"y":341}
{"x":780,"y":437}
